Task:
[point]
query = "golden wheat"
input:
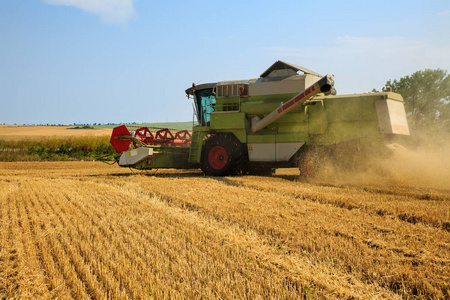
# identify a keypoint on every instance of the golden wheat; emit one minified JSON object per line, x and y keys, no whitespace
{"x":86,"y":230}
{"x":20,"y":132}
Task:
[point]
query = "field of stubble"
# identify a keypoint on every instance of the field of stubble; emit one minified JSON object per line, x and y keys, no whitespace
{"x":80,"y":230}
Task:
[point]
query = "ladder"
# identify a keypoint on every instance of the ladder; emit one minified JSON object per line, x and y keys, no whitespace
{"x":195,"y":151}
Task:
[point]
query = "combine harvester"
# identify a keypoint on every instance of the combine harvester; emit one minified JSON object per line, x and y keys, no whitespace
{"x":282,"y":119}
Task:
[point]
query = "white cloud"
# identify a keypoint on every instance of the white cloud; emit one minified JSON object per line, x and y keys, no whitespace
{"x":363,"y":63}
{"x":444,"y":13}
{"x":110,"y":11}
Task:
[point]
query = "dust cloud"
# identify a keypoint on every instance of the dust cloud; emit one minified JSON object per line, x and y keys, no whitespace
{"x":422,"y":161}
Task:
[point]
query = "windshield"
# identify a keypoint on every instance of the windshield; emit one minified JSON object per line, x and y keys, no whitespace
{"x":204,"y":104}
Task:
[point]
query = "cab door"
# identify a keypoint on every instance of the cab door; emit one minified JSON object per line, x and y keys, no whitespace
{"x":205,"y":102}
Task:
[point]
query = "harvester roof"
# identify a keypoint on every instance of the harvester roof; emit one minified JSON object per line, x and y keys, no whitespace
{"x":278,"y":71}
{"x":190,"y":91}
{"x":281,"y":65}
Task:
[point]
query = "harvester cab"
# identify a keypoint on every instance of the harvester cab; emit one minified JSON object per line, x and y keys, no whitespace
{"x":281,"y":119}
{"x":204,"y":101}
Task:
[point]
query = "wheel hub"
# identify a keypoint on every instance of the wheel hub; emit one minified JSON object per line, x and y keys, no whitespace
{"x":218,"y":157}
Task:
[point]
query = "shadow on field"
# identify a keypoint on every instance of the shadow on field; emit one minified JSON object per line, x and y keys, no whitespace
{"x":289,"y":177}
{"x":163,"y":173}
{"x":226,"y":181}
{"x":172,"y":173}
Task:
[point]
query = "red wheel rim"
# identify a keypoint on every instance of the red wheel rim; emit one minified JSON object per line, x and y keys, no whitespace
{"x":217,"y":157}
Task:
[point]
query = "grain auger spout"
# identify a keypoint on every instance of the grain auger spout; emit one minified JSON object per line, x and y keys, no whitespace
{"x":321,"y":86}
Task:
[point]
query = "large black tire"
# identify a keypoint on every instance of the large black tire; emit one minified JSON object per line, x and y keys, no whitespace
{"x":312,"y":160}
{"x":308,"y":165}
{"x":222,"y":155}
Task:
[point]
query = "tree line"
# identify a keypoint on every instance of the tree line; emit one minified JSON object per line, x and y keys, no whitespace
{"x":427,"y":99}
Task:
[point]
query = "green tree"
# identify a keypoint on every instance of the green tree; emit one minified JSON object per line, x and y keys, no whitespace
{"x":427,"y":97}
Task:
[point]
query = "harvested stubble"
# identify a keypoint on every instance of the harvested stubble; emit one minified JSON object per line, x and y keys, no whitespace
{"x":87,"y":230}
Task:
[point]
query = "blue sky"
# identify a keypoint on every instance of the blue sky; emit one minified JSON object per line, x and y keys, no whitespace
{"x":102,"y":61}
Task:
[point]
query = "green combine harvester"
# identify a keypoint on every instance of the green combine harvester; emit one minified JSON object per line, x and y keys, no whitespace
{"x":281,"y":119}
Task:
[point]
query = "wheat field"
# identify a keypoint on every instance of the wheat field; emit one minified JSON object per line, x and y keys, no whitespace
{"x":81,"y":230}
{"x":34,"y":132}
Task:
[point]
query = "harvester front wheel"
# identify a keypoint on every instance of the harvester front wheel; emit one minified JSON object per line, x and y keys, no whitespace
{"x":222,"y":155}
